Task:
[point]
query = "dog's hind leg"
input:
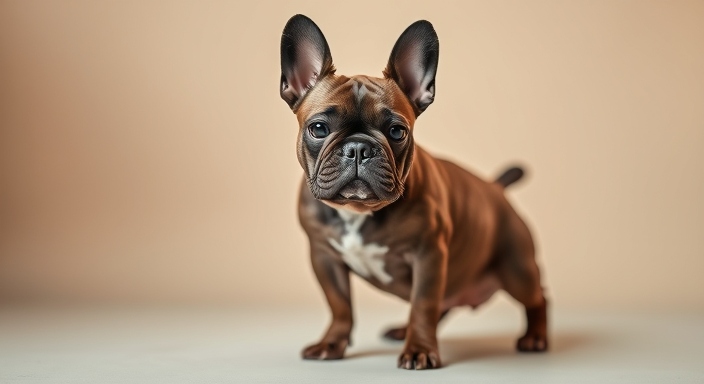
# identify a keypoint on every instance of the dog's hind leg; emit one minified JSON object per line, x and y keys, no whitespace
{"x":520,"y":277}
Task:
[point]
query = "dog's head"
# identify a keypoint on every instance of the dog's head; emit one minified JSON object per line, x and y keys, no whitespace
{"x":355,"y":140}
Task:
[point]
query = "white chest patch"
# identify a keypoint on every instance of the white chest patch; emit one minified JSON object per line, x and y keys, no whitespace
{"x":365,"y":259}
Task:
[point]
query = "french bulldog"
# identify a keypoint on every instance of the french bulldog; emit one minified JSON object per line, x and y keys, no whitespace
{"x":374,"y":203}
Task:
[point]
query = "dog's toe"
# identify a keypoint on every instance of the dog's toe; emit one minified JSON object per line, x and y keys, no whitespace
{"x":532,"y":342}
{"x":419,"y":360}
{"x":325,"y":351}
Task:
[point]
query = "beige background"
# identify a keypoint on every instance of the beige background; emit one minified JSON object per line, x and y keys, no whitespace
{"x":145,"y":155}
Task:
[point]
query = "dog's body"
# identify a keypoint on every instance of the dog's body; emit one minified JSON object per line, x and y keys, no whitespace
{"x":374,"y":203}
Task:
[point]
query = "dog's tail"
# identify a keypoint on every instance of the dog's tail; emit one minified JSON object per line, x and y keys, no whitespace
{"x":510,"y":176}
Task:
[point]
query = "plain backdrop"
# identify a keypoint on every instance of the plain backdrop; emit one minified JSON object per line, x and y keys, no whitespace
{"x":146,"y":157}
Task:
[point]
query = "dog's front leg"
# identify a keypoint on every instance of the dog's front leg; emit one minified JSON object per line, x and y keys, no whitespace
{"x":333,"y":276}
{"x":429,"y":274}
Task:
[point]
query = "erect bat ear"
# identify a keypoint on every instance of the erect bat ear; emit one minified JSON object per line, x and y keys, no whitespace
{"x":413,"y":63}
{"x":305,"y":58}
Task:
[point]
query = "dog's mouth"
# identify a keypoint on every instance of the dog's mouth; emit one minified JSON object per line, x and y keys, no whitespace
{"x":357,"y":196}
{"x":356,"y":190}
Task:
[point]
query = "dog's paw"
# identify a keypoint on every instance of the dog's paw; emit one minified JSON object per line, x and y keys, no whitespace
{"x":395,"y":334}
{"x":532,"y":342}
{"x":325,"y":350}
{"x":418,"y":359}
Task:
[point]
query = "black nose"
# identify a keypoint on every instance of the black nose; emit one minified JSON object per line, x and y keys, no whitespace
{"x":357,"y":150}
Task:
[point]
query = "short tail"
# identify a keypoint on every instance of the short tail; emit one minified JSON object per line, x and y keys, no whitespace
{"x":510,"y":176}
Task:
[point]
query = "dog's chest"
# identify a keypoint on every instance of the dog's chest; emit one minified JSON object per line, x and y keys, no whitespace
{"x":365,"y":259}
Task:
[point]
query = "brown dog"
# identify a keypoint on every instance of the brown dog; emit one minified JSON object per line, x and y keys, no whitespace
{"x":376,"y":204}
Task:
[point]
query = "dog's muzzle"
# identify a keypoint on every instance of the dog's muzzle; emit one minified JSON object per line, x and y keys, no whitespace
{"x":357,"y":170}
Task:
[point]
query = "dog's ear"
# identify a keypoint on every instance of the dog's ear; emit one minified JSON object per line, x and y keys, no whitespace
{"x":305,"y":58}
{"x":413,"y":63}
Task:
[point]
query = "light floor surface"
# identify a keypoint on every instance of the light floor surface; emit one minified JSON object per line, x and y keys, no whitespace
{"x":41,"y":344}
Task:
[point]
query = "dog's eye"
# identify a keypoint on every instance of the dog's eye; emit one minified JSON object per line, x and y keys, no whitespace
{"x":318,"y":130}
{"x":397,"y":132}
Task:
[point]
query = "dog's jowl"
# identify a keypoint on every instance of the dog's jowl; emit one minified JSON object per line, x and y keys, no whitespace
{"x":374,"y":203}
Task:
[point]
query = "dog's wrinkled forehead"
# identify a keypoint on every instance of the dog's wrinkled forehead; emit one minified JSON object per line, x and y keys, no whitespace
{"x":363,"y":98}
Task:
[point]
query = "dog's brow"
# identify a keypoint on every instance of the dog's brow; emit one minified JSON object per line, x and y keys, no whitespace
{"x":332,"y":110}
{"x":392,"y":117}
{"x":327,"y":112}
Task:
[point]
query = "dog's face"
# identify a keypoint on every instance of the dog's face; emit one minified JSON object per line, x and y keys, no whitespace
{"x":355,"y":140}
